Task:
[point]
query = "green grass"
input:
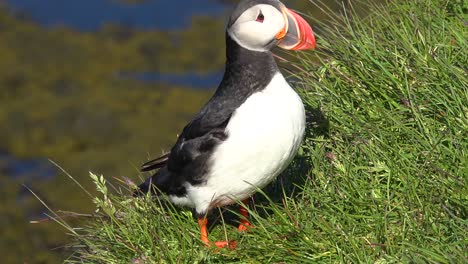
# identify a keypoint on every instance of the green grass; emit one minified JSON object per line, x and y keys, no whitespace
{"x":381,"y":176}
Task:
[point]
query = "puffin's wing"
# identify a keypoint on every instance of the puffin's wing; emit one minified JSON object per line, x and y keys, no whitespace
{"x":199,"y":136}
{"x":155,"y":163}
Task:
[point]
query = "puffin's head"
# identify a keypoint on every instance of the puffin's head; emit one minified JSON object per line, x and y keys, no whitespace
{"x":260,"y":24}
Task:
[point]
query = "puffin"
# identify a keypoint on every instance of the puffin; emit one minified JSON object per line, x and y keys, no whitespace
{"x":251,"y":128}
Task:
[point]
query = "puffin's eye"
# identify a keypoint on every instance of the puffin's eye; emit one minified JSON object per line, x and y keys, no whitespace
{"x":260,"y":17}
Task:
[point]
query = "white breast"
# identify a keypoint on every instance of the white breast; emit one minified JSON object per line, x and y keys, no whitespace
{"x":264,"y":135}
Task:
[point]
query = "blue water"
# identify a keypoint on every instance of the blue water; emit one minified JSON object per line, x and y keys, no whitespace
{"x":193,"y":80}
{"x":38,"y":168}
{"x":90,"y":15}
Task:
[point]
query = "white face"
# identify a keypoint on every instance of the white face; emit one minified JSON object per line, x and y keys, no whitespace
{"x":257,"y":27}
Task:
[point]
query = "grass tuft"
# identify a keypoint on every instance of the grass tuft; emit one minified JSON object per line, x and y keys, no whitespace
{"x":381,"y":176}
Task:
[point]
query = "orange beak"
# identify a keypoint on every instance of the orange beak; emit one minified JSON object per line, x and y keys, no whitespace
{"x":297,"y":33}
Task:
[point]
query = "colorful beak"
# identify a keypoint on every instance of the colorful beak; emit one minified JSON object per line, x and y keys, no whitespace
{"x":297,"y":34}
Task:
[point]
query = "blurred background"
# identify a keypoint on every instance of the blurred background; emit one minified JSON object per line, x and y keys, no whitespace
{"x":95,"y":85}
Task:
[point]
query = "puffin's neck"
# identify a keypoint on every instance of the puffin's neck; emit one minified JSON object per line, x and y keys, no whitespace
{"x":236,"y":54}
{"x":246,"y":71}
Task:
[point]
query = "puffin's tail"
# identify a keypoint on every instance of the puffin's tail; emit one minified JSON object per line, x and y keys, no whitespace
{"x":155,"y":163}
{"x":145,"y":187}
{"x":153,"y":183}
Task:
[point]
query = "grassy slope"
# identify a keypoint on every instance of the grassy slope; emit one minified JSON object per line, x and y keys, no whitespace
{"x":382,"y":178}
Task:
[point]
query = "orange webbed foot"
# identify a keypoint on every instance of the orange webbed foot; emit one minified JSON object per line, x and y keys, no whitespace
{"x":202,"y":222}
{"x":232,"y":244}
{"x":244,"y":226}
